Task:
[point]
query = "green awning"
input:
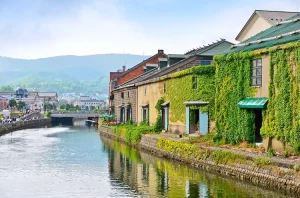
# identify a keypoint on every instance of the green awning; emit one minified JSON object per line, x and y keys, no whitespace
{"x":253,"y":103}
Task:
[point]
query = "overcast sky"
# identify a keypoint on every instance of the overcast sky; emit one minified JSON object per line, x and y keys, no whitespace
{"x":43,"y":28}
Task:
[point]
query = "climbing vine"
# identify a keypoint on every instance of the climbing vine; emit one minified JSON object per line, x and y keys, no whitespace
{"x":179,"y":88}
{"x":158,"y":124}
{"x":233,"y":83}
{"x":281,"y":119}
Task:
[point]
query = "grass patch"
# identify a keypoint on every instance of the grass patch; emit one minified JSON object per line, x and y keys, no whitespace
{"x":226,"y":157}
{"x":262,"y":161}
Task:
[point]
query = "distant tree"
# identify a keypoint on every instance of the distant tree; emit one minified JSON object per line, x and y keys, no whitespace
{"x":92,"y":108}
{"x":6,"y":88}
{"x":21,"y":105}
{"x":48,"y":107}
{"x":63,"y":106}
{"x":87,"y":108}
{"x":68,"y":106}
{"x":12,"y":103}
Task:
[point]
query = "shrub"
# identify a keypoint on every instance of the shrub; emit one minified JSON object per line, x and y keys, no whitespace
{"x":262,"y":161}
{"x":131,"y":132}
{"x":270,"y":152}
{"x":296,"y":167}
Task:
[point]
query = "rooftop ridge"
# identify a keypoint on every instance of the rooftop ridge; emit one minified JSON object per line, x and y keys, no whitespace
{"x":205,"y":46}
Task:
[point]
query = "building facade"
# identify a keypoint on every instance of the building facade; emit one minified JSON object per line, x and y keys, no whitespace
{"x":262,"y":76}
{"x":261,"y":20}
{"x":124,"y":107}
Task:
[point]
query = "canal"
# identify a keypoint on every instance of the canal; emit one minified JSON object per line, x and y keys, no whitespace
{"x":74,"y":161}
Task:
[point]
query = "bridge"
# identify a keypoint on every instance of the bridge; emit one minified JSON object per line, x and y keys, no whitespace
{"x":69,"y":117}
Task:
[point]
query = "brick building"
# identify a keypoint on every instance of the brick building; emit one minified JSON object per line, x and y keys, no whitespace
{"x":140,"y":68}
{"x":112,"y":83}
{"x":120,"y":104}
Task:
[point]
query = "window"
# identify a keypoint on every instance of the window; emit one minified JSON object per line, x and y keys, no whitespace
{"x":164,"y":87}
{"x":145,"y":90}
{"x":128,"y":94}
{"x":256,"y":72}
{"x":205,"y":62}
{"x":195,"y":82}
{"x":122,"y":95}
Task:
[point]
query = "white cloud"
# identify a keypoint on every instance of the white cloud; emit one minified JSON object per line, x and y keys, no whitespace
{"x":96,"y":28}
{"x":102,"y":27}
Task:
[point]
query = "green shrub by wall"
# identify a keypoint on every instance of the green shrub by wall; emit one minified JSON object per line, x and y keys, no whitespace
{"x":179,"y":89}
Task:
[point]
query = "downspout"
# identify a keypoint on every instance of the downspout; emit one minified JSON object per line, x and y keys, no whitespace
{"x":136,"y":105}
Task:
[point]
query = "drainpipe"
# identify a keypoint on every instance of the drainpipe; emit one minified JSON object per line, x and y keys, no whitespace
{"x":136,"y":105}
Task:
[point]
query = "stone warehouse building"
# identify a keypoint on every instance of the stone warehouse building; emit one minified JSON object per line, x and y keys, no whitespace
{"x":259,"y":80}
{"x":143,"y":92}
{"x":123,"y":99}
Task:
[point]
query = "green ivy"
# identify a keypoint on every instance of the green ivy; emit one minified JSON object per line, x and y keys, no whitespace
{"x":281,"y":119}
{"x":233,"y":80}
{"x":179,"y":89}
{"x":158,"y":127}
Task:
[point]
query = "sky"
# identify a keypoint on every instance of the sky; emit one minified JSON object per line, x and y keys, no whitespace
{"x":31,"y":29}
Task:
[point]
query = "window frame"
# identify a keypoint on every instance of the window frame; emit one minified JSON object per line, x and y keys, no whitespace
{"x":256,"y":75}
{"x":194,"y":82}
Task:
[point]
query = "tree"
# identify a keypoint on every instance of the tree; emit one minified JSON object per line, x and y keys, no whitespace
{"x":48,"y":106}
{"x":12,"y":103}
{"x":63,"y":106}
{"x":6,"y":88}
{"x":21,"y":105}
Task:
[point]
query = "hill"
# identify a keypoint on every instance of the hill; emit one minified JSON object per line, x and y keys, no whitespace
{"x":65,"y":74}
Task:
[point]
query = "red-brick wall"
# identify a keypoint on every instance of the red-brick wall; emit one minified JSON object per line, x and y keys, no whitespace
{"x":135,"y":72}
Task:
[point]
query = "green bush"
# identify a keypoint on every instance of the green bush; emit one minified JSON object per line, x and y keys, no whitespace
{"x":262,"y":161}
{"x":131,"y":132}
{"x":48,"y":114}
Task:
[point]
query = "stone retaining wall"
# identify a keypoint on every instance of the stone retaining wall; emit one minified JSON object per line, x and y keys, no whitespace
{"x":258,"y":176}
{"x":10,"y":127}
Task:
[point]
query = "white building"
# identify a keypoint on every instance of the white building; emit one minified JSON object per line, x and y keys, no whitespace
{"x":86,"y":101}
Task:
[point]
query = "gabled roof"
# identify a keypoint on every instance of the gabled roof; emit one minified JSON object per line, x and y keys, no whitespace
{"x":160,"y":52}
{"x":201,"y":50}
{"x":272,"y":17}
{"x":285,"y":32}
{"x":156,"y":72}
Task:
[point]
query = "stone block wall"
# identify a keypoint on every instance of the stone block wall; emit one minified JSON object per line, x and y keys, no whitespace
{"x":10,"y":127}
{"x":132,"y":100}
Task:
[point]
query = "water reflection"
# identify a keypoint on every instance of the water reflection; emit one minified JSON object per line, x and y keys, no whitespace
{"x":155,"y":177}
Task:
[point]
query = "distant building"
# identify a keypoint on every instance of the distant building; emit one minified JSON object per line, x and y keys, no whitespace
{"x":34,"y":100}
{"x":3,"y":103}
{"x":261,"y":20}
{"x":87,"y":101}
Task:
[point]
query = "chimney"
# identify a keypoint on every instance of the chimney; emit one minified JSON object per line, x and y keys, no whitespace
{"x":160,"y":51}
{"x":124,"y":68}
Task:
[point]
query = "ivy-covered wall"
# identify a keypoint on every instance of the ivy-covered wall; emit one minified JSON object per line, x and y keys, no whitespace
{"x":233,"y":80}
{"x":179,"y":88}
{"x":281,"y":120}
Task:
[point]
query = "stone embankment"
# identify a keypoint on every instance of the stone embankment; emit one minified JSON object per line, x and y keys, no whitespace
{"x":10,"y":127}
{"x":274,"y":177}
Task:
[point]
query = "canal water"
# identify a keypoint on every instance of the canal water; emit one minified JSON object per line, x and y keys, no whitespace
{"x":74,"y":161}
